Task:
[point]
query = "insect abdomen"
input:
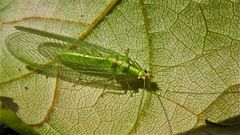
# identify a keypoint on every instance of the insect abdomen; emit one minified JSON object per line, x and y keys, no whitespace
{"x":86,"y":62}
{"x":111,"y":64}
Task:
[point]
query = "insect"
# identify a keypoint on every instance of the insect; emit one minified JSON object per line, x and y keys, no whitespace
{"x":75,"y":59}
{"x":79,"y":62}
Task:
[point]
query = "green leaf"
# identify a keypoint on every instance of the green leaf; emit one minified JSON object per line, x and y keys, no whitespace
{"x":8,"y":116}
{"x":191,"y":48}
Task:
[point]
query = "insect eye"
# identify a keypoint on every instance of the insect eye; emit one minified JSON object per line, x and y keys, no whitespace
{"x":145,"y":70}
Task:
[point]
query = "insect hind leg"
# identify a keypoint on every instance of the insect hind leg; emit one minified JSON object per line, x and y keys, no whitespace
{"x":111,"y":92}
{"x":121,"y":91}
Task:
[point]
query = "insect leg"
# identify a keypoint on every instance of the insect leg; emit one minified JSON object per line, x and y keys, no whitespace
{"x":127,"y":52}
{"x":129,"y":87}
{"x":134,"y":62}
{"x":114,"y":92}
{"x":111,"y":92}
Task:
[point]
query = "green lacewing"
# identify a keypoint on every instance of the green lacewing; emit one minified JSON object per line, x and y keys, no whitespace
{"x":78,"y":61}
{"x":75,"y":59}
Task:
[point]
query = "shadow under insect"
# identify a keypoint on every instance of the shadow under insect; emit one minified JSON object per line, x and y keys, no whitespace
{"x":135,"y":84}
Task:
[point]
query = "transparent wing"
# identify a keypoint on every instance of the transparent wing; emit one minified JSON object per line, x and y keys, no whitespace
{"x":67,"y":74}
{"x":74,"y":58}
{"x":33,"y":49}
{"x":79,"y":45}
{"x":24,"y":47}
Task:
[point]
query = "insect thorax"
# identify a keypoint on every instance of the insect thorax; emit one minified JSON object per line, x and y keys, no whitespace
{"x":123,"y":66}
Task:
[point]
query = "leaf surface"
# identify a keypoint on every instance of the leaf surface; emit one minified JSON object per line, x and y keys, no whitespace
{"x":191,"y":48}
